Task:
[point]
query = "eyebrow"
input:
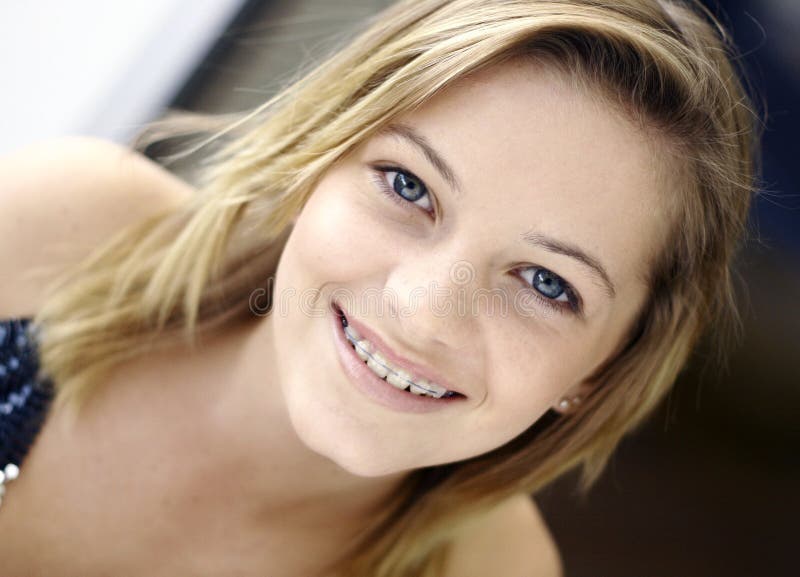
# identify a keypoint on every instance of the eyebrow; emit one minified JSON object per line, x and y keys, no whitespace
{"x":573,"y":251}
{"x":411,"y":136}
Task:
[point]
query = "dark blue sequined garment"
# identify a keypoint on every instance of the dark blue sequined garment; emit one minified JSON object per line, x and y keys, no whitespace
{"x":24,"y":398}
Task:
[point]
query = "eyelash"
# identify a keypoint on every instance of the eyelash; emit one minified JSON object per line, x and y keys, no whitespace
{"x":378,"y":178}
{"x":573,"y":303}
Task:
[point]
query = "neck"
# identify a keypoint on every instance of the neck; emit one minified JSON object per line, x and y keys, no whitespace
{"x":242,"y":446}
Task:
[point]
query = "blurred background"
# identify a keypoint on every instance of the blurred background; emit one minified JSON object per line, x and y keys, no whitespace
{"x":709,"y":486}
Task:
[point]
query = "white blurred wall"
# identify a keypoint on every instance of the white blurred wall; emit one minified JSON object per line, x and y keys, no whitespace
{"x":98,"y":67}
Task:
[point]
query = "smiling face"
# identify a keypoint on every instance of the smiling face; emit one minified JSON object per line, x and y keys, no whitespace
{"x":530,"y":192}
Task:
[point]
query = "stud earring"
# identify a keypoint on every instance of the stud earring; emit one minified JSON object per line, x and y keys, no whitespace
{"x":566,"y":403}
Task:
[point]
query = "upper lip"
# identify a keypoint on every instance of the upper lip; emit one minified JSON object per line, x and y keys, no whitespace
{"x":416,"y":369}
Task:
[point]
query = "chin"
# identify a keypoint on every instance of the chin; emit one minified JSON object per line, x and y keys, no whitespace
{"x":336,"y":435}
{"x":358,"y":466}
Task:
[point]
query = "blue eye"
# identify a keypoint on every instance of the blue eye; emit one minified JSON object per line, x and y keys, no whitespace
{"x":549,"y":284}
{"x":404,"y":187}
{"x":551,"y":289}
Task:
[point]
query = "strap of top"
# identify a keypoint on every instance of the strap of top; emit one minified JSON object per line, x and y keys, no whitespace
{"x":24,"y":397}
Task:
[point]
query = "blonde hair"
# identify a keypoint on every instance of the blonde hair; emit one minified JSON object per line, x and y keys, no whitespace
{"x":668,"y":65}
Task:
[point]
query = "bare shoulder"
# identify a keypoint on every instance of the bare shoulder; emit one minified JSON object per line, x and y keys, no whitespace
{"x":62,"y":198}
{"x":512,"y":540}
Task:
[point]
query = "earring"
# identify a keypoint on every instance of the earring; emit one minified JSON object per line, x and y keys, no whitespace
{"x":565,"y":403}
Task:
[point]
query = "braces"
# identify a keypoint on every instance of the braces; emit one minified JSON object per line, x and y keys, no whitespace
{"x":366,"y":352}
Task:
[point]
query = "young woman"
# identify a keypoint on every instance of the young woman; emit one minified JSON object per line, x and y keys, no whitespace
{"x":461,"y":257}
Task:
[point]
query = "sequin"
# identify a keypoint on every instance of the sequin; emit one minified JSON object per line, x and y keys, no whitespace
{"x":24,"y":399}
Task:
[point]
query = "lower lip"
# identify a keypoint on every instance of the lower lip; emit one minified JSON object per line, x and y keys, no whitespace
{"x":376,"y":388}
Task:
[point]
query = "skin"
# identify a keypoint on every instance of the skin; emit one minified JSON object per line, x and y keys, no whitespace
{"x":255,"y":452}
{"x":565,"y":167}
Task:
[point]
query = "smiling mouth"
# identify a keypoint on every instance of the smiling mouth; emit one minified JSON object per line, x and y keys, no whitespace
{"x":397,"y":376}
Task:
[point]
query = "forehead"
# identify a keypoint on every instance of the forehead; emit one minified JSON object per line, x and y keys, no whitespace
{"x":532,"y":151}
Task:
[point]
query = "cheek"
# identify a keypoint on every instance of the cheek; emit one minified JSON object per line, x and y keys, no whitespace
{"x":521,"y":393}
{"x":333,"y":239}
{"x":323,"y":237}
{"x":527,"y":376}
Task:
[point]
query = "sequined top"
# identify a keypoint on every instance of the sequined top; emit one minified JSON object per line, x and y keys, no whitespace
{"x":24,"y":397}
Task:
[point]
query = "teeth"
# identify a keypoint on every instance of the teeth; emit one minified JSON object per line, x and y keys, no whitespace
{"x":352,"y":333}
{"x":430,"y":388}
{"x":417,"y":390}
{"x":398,"y":378}
{"x":363,"y":349}
{"x":378,"y":364}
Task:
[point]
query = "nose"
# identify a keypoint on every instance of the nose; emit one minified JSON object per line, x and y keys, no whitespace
{"x":432,"y":295}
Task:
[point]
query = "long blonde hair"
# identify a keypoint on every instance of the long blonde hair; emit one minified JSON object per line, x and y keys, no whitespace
{"x":668,"y":65}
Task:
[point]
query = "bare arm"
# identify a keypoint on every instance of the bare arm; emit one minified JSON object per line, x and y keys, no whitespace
{"x":60,"y":199}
